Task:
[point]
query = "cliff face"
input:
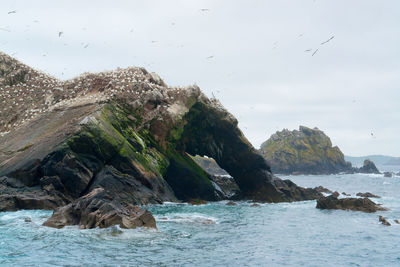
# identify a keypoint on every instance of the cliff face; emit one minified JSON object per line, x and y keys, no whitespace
{"x":306,"y":151}
{"x":124,"y":131}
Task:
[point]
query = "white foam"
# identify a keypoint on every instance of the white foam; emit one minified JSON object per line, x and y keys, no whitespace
{"x":187,"y":218}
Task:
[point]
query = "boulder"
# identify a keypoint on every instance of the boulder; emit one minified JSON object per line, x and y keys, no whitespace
{"x":397,"y":221}
{"x":345,"y":194}
{"x":369,"y":167}
{"x":98,"y":209}
{"x":367,"y":194}
{"x":355,"y":204}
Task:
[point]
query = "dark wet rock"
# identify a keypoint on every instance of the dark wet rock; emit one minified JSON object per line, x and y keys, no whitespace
{"x":345,"y":194}
{"x":231,"y":203}
{"x":388,"y":174}
{"x":335,"y":194}
{"x":27,"y":219}
{"x":98,"y":209}
{"x":255,"y":205}
{"x":384,"y":221}
{"x":12,"y":199}
{"x":397,"y":221}
{"x":226,"y":185}
{"x":367,"y":194}
{"x":369,"y":167}
{"x":322,"y":189}
{"x":196,"y":201}
{"x":303,"y":151}
{"x":355,"y":204}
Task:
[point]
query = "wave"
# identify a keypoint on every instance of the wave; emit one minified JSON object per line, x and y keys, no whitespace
{"x":187,"y":218}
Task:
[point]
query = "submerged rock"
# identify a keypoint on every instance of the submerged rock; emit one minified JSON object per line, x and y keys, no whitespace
{"x":355,"y":204}
{"x":255,"y":205}
{"x":99,"y":209}
{"x":369,"y":167}
{"x":388,"y":174}
{"x":231,"y":203}
{"x":367,"y":194}
{"x":384,"y":221}
{"x":197,"y":201}
{"x":306,"y":151}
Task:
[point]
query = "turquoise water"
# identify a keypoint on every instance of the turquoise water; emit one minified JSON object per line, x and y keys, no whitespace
{"x":284,"y":234}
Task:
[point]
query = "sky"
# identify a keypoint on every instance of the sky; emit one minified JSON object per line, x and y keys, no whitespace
{"x":250,"y":54}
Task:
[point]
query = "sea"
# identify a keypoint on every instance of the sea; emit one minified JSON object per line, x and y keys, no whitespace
{"x":215,"y":234}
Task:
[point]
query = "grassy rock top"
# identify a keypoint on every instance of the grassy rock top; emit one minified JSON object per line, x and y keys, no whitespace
{"x":303,"y":151}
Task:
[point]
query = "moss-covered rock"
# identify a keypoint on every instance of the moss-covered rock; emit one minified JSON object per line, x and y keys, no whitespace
{"x":306,"y":151}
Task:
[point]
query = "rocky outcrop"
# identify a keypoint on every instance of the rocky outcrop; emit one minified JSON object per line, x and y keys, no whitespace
{"x":368,"y":167}
{"x":126,"y":132}
{"x":355,"y":204}
{"x":367,"y":194}
{"x":99,"y":209}
{"x":306,"y":151}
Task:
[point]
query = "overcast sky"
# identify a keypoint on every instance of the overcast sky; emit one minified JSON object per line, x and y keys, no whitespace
{"x":249,"y":54}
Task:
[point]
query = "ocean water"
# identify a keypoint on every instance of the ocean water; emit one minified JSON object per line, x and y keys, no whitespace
{"x":284,"y":234}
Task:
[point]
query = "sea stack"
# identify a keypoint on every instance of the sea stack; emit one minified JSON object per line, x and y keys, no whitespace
{"x":303,"y":151}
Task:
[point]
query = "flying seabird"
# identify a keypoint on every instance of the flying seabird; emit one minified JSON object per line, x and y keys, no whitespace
{"x":314,"y":52}
{"x":204,"y":9}
{"x":327,"y":40}
{"x":60,"y":33}
{"x":307,"y":50}
{"x":12,"y":12}
{"x":86,"y":46}
{"x":209,"y":57}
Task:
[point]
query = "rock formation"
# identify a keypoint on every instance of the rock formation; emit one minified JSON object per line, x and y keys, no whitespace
{"x":356,"y":204}
{"x":368,"y":167}
{"x":124,"y":131}
{"x":99,"y":209}
{"x":306,"y":151}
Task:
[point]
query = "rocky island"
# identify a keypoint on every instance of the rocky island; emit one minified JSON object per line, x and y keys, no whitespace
{"x":303,"y":151}
{"x":125,"y":133}
{"x":308,"y":151}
